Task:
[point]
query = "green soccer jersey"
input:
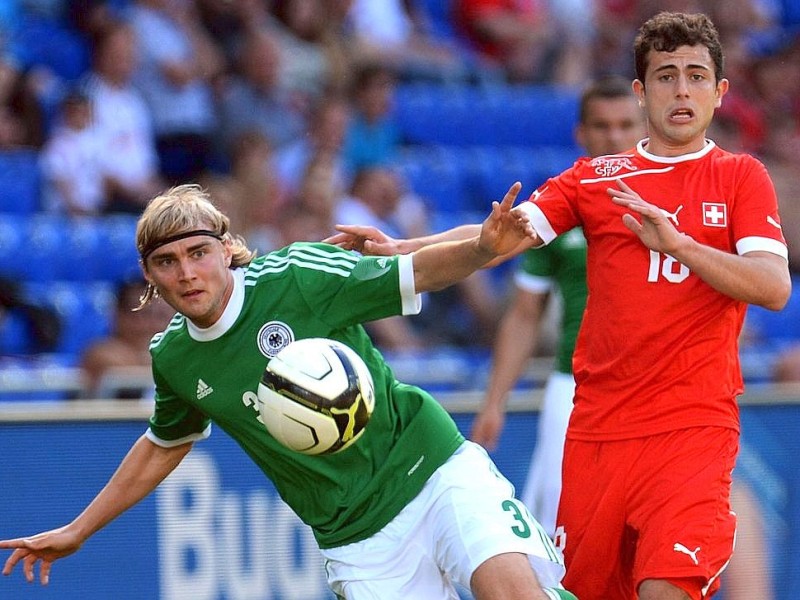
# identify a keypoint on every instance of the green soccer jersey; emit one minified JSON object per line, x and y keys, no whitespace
{"x":563,"y":261}
{"x":306,"y":290}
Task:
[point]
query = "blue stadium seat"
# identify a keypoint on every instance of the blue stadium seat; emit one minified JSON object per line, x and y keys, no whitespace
{"x":119,"y":259}
{"x":535,"y":115}
{"x":20,"y":181}
{"x":85,"y":309}
{"x":48,"y":42}
{"x":14,"y":338}
{"x":459,"y":114}
{"x":434,"y":174}
{"x":432,"y":113}
{"x":773,"y":330}
{"x":12,"y":245}
{"x":84,"y":254}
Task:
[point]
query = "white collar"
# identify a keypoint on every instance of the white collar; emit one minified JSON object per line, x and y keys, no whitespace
{"x":229,"y":315}
{"x":708,"y":147}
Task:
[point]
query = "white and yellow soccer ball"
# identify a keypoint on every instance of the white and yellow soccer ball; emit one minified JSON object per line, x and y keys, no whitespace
{"x":316,"y":396}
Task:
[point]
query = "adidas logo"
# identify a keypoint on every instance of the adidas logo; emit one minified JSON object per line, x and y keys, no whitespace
{"x":203,"y":389}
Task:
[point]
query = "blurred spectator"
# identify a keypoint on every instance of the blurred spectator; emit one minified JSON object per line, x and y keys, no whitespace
{"x":776,"y":80}
{"x":576,"y":22}
{"x":297,"y":224}
{"x":251,"y":194}
{"x":393,"y":33}
{"x":90,"y":18}
{"x":128,"y":343}
{"x":227,"y":23}
{"x":320,"y":191}
{"x":748,"y":575}
{"x":315,"y":57}
{"x":373,"y":136}
{"x":521,"y":37}
{"x":616,"y":23}
{"x":179,"y":64}
{"x":324,"y":137}
{"x":40,"y":326}
{"x":377,"y":198}
{"x":21,"y":116}
{"x":122,"y":121}
{"x":787,"y":366}
{"x":254,"y":100}
{"x":464,"y":315}
{"x":72,"y":160}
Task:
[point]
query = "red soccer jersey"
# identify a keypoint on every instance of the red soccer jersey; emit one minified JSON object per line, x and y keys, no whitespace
{"x":658,"y":350}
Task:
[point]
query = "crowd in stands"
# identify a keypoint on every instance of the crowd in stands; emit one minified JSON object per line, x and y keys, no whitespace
{"x":287,"y":111}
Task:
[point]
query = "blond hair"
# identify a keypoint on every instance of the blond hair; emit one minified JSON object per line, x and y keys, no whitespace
{"x":181,"y":210}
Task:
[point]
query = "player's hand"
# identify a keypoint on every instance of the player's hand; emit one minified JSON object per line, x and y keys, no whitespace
{"x":487,"y":426}
{"x":653,"y":227}
{"x":366,"y":240}
{"x":506,"y":228}
{"x":46,"y":548}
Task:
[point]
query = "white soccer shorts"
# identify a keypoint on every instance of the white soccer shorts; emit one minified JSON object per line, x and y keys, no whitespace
{"x":465,"y":514}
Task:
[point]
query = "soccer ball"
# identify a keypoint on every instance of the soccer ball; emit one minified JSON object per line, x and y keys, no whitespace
{"x":316,"y":396}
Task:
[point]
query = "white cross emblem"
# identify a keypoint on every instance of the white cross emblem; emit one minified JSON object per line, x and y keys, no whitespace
{"x":715,"y":214}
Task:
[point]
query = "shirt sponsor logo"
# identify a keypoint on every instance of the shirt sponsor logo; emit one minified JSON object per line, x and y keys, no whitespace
{"x":203,"y":389}
{"x":274,"y":337}
{"x":607,"y":166}
{"x":715,"y":214}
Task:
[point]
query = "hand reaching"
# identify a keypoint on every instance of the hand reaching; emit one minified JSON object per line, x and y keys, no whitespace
{"x":365,"y":239}
{"x":506,"y":228}
{"x":487,"y":426}
{"x":46,"y":547}
{"x":654,"y":229}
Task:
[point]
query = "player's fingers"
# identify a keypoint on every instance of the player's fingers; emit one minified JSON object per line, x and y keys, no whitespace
{"x":624,"y":186}
{"x":511,"y":195}
{"x":631,"y":223}
{"x":28,"y":564}
{"x":44,"y":572}
{"x":12,"y":560}
{"x":337,"y":238}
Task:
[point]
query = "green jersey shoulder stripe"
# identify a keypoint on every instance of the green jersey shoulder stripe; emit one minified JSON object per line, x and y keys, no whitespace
{"x":175,"y":324}
{"x":305,"y":257}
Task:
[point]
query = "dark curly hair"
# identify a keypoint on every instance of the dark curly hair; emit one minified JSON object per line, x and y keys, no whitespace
{"x":666,"y":31}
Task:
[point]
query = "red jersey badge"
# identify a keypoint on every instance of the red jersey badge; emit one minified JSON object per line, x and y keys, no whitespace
{"x":715,"y":214}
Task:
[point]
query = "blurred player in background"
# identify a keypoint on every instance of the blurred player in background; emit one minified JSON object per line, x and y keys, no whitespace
{"x":610,"y":122}
{"x":681,"y":236}
{"x":407,"y":511}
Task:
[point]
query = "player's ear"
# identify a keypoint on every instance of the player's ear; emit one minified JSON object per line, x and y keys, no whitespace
{"x":228,"y":249}
{"x":145,"y":273}
{"x":638,"y":90}
{"x":722,"y":89}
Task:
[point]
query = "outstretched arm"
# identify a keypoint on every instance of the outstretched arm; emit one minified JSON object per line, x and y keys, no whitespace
{"x":505,"y":229}
{"x":374,"y":242}
{"x":370,"y":240}
{"x":516,"y":340}
{"x":760,"y":278}
{"x":145,"y":466}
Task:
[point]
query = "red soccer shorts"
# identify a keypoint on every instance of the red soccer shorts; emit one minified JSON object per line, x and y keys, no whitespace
{"x":656,"y":507}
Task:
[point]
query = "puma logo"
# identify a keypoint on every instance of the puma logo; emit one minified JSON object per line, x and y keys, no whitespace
{"x":685,"y":550}
{"x":673,"y":216}
{"x":773,"y":222}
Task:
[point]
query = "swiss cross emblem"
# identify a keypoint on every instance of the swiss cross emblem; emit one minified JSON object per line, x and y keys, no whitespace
{"x":715,"y":214}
